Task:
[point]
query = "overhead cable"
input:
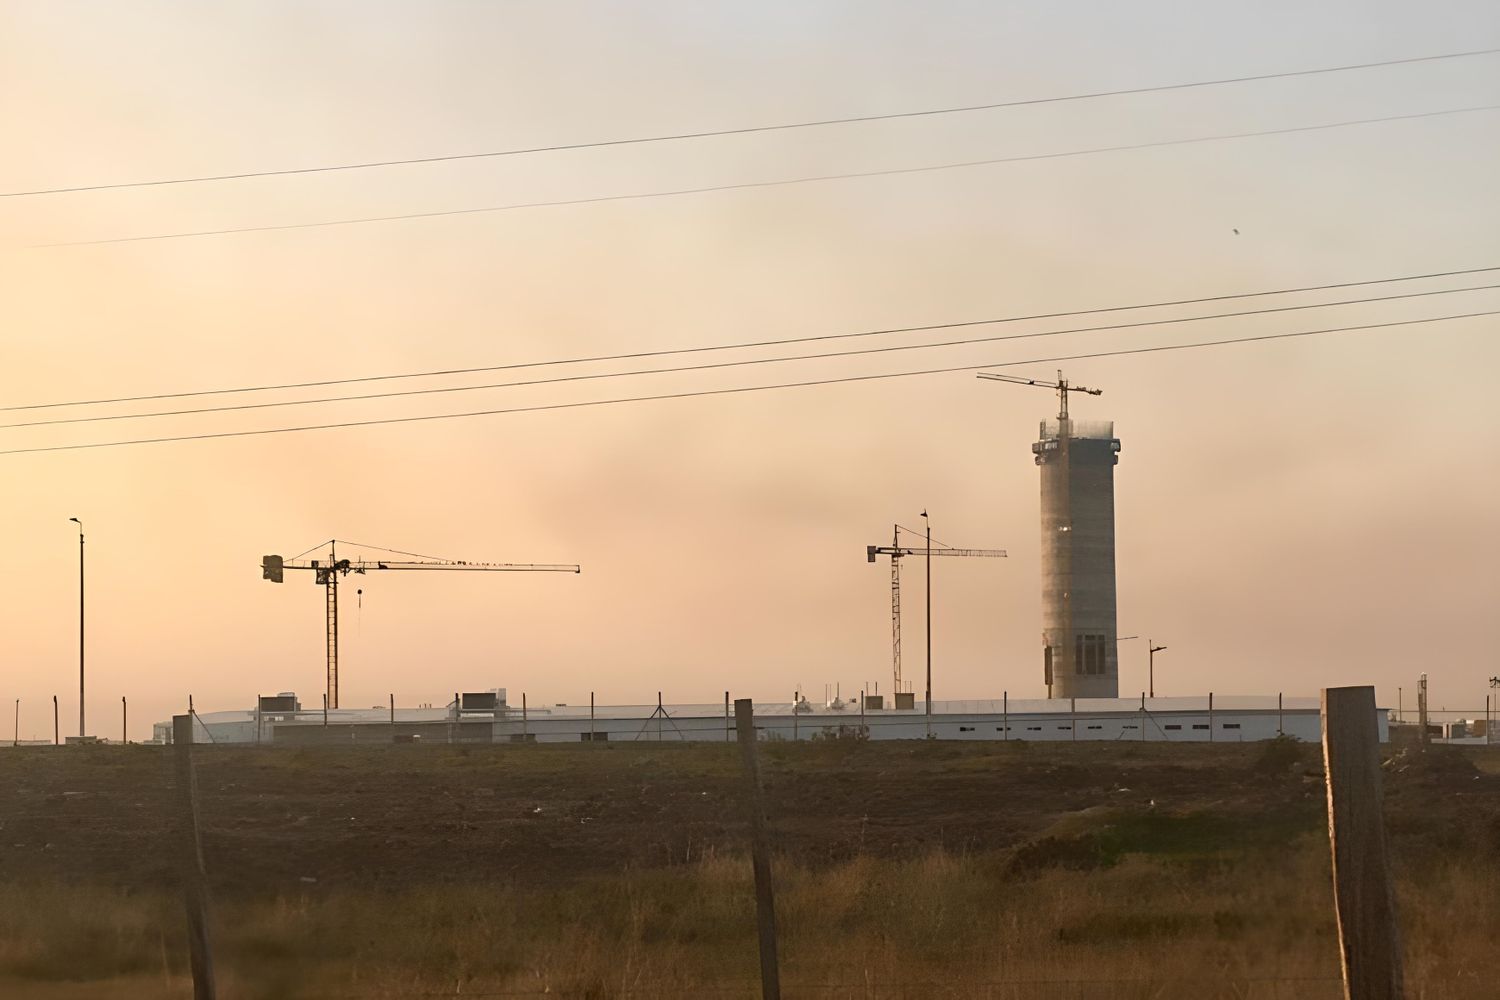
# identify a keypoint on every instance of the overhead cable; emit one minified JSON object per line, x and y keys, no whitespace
{"x":754,"y":185}
{"x":739,"y":390}
{"x":748,"y":130}
{"x":741,"y":363}
{"x":637,"y":355}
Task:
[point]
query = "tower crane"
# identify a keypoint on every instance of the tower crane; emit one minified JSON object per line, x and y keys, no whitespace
{"x":326,"y":573}
{"x":897,"y":552}
{"x":1062,"y":385}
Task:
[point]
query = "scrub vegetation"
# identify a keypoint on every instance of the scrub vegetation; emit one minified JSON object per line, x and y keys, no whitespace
{"x":1155,"y":873}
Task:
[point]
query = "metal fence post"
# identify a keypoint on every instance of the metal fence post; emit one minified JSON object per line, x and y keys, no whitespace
{"x":56,"y":733}
{"x":726,"y":716}
{"x":1369,"y":931}
{"x":194,"y":883}
{"x":591,"y":716}
{"x":765,"y":901}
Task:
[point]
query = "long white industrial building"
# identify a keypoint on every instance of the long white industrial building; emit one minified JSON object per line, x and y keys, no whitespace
{"x":485,"y":717}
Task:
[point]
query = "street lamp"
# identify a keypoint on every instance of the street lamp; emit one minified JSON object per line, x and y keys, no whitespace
{"x":81,"y":729}
{"x":928,"y":560}
{"x":1151,"y":667}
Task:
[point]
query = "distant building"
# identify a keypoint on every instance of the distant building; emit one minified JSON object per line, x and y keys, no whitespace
{"x":478,"y":719}
{"x":1080,"y":653}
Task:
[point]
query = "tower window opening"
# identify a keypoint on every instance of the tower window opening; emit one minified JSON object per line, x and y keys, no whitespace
{"x":1088,"y":654}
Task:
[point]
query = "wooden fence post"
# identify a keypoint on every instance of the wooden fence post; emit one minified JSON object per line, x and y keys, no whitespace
{"x":765,"y":900}
{"x":190,"y":862}
{"x":1369,"y":933}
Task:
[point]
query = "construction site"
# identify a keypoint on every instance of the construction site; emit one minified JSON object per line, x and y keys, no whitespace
{"x":1080,"y":651}
{"x":859,"y":501}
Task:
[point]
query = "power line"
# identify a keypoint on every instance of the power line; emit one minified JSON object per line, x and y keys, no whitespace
{"x":748,"y":130}
{"x":753,"y":185}
{"x":744,"y":362}
{"x":736,"y":390}
{"x":637,"y":355}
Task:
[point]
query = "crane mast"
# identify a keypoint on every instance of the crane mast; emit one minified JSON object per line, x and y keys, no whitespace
{"x":897,"y":552}
{"x":326,"y":574}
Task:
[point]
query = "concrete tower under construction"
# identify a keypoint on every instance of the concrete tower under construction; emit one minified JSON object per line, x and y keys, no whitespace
{"x":1080,"y":652}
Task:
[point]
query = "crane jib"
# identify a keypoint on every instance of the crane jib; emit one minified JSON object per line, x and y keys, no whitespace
{"x":326,"y":574}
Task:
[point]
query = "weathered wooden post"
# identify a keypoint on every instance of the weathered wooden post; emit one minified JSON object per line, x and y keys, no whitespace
{"x":1364,"y":902}
{"x":765,"y":900}
{"x":190,"y":864}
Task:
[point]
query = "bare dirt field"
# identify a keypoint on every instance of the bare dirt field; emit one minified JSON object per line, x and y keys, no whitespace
{"x":987,"y":869}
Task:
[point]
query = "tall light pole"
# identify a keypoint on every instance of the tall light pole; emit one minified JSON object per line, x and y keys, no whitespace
{"x":928,"y":558}
{"x":1151,"y":666}
{"x":81,"y":729}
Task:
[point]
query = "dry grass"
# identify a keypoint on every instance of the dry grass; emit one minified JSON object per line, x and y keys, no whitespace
{"x":1092,"y":894}
{"x":1183,"y":923}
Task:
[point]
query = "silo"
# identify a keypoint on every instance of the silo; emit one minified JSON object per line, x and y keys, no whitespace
{"x":1079,"y":638}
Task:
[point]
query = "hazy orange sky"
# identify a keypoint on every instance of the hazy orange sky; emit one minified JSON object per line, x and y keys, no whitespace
{"x":1290,"y":515}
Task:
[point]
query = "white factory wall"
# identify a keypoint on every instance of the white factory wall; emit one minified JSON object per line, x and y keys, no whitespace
{"x":1231,"y":720}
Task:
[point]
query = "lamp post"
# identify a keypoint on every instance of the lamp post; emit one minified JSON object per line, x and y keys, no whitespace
{"x":1151,"y":666}
{"x":81,"y":729}
{"x":928,"y":560}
